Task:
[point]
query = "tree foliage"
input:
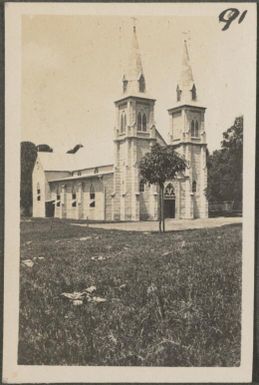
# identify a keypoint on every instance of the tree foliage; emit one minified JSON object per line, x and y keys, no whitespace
{"x":75,"y":149}
{"x":159,"y":165}
{"x":225,"y":167}
{"x":44,"y":148}
{"x":28,"y":158}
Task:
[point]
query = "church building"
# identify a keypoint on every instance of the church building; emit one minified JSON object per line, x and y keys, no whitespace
{"x":109,"y":188}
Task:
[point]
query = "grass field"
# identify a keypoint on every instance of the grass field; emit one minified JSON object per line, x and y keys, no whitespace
{"x":171,"y":299}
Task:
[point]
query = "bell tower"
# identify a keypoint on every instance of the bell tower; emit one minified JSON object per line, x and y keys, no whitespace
{"x":187,"y":135}
{"x":134,"y":133}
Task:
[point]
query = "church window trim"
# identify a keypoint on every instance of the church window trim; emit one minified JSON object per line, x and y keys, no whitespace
{"x":38,"y":192}
{"x":58,"y":197}
{"x":178,"y":94}
{"x":125,"y":85}
{"x":141,"y":185}
{"x":139,"y":121}
{"x":142,"y":84}
{"x":194,"y":186}
{"x":124,"y":122}
{"x":169,"y":192}
{"x":92,"y":196}
{"x":144,"y":122}
{"x":74,"y":198}
{"x":193,"y":92}
{"x":196,"y":130}
{"x":192,"y":128}
{"x":121,"y":128}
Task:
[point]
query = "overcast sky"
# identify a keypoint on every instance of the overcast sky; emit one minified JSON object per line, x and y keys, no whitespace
{"x":72,"y":68}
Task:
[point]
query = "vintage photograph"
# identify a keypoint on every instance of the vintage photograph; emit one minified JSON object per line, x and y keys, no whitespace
{"x":135,"y":127}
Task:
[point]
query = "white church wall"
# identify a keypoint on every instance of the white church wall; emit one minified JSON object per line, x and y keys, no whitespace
{"x":108,"y":186}
{"x":177,"y":125}
{"x":96,"y":211}
{"x":144,"y":197}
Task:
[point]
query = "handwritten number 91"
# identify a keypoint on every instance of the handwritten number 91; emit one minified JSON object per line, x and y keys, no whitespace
{"x":230,"y":15}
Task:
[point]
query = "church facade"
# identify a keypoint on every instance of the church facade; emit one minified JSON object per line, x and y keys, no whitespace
{"x":72,"y":186}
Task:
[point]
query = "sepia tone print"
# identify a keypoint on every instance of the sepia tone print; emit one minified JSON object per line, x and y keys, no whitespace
{"x":142,"y":324}
{"x":133,"y":140}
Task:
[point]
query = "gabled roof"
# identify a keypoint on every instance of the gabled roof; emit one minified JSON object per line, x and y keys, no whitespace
{"x":86,"y":157}
{"x":159,"y":136}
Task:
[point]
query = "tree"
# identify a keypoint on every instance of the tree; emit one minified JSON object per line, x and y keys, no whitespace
{"x":157,"y":166}
{"x":225,"y":167}
{"x":75,"y":149}
{"x":44,"y":148}
{"x":28,"y":158}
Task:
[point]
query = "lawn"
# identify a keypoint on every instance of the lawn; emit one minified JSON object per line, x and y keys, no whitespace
{"x":152,"y":299}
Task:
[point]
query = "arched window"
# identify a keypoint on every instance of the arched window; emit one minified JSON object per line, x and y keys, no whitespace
{"x":193,"y":91}
{"x":196,"y":129}
{"x":124,"y":122}
{"x":121,"y":122}
{"x":38,"y":192}
{"x":169,"y":191}
{"x":192,"y":128}
{"x":125,"y":83}
{"x":92,"y":196}
{"x":139,"y":121}
{"x":74,"y":197}
{"x":141,"y":185}
{"x":141,"y":84}
{"x":144,"y":123}
{"x":194,"y":186}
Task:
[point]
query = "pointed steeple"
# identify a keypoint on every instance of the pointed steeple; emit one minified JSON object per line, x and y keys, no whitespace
{"x":133,"y":79}
{"x":186,"y":90}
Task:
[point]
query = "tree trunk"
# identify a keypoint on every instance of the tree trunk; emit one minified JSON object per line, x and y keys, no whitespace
{"x":162,"y":206}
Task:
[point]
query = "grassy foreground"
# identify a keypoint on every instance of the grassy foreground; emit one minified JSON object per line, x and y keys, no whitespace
{"x":171,"y":299}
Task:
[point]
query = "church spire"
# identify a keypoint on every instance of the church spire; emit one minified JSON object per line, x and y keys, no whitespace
{"x":133,"y":79}
{"x":186,"y":90}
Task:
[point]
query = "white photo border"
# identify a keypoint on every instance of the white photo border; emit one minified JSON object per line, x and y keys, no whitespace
{"x":13,"y":373}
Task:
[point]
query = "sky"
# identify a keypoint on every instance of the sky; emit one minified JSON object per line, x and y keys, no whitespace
{"x":72,"y":68}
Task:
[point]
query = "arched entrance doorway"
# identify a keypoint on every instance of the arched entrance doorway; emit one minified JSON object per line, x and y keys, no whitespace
{"x":169,"y":201}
